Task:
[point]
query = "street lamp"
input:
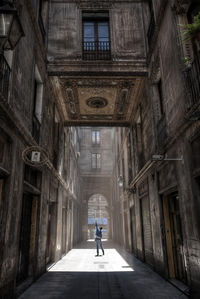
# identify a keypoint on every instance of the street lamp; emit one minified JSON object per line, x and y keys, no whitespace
{"x":10,"y":27}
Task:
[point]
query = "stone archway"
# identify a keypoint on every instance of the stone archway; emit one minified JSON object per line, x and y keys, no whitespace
{"x":98,"y":212}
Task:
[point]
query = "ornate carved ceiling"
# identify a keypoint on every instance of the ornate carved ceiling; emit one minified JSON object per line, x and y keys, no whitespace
{"x":107,"y":101}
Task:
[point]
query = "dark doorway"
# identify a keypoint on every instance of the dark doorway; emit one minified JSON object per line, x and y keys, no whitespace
{"x":133,"y":232}
{"x":147,"y":235}
{"x":64,"y":231}
{"x":174,"y":238}
{"x":51,"y":233}
{"x":27,"y":237}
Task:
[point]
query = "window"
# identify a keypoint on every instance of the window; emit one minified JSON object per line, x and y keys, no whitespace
{"x":4,"y":75}
{"x":96,"y":40}
{"x":95,"y":137}
{"x":56,"y":137}
{"x":37,"y":105}
{"x":42,"y":16}
{"x":96,"y":161}
{"x":151,"y":29}
{"x":160,"y":94}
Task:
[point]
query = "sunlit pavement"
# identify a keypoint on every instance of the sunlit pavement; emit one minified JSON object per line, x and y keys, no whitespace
{"x":116,"y":275}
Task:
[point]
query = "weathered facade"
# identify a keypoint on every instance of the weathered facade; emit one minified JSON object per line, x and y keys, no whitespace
{"x":159,"y":200}
{"x":96,"y":59}
{"x":37,"y":205}
{"x":101,"y":64}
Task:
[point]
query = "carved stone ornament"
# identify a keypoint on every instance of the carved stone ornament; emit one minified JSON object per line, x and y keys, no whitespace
{"x":181,"y":6}
{"x":97,"y":102}
{"x":95,"y":4}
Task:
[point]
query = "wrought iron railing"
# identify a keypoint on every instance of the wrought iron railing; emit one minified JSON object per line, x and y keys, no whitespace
{"x":36,"y":129}
{"x":96,"y":50}
{"x":192,"y":76}
{"x":161,"y":131}
{"x":151,"y":29}
{"x":4,"y":76}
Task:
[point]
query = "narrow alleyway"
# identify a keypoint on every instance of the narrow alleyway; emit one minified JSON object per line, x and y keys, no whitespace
{"x":116,"y":275}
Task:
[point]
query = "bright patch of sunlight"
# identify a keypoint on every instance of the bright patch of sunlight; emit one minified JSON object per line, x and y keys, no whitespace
{"x":84,"y":260}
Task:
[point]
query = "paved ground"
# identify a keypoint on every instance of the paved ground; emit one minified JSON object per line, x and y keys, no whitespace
{"x":116,"y":275}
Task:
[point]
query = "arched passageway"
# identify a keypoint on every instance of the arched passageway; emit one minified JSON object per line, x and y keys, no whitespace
{"x":98,"y":213}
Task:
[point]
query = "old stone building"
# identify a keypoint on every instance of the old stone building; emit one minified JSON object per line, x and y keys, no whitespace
{"x":159,"y":200}
{"x":99,"y":122}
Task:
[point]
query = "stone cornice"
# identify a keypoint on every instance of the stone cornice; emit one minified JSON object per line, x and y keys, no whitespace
{"x":98,"y":2}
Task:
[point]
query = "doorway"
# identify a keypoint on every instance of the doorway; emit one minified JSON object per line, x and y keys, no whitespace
{"x":174,"y":237}
{"x":98,"y":213}
{"x":146,"y":228}
{"x":133,"y":231}
{"x":51,"y":233}
{"x":27,"y":241}
{"x":64,"y":231}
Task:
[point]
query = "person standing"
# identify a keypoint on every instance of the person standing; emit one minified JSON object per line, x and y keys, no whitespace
{"x":98,"y":238}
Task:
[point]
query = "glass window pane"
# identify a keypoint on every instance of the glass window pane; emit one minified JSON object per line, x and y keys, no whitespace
{"x":5,"y":21}
{"x":89,"y":31}
{"x":93,"y":160}
{"x":103,"y":30}
{"x":98,"y":137}
{"x":89,"y":36}
{"x":98,"y":160}
{"x":93,"y":137}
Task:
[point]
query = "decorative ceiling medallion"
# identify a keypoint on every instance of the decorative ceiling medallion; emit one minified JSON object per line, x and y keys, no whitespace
{"x":97,"y":102}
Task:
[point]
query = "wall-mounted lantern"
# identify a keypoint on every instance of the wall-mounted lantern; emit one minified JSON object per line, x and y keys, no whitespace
{"x":120,"y":181}
{"x":10,"y":27}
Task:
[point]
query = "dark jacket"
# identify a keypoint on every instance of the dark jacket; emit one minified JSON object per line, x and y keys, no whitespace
{"x":98,"y":232}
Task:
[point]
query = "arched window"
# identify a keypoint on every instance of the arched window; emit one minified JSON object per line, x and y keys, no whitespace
{"x":97,"y":212}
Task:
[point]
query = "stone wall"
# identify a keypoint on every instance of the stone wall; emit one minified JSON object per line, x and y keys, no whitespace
{"x":48,"y":188}
{"x":65,"y":29}
{"x":174,"y":135}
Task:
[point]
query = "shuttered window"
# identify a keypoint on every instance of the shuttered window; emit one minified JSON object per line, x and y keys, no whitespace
{"x":96,"y":161}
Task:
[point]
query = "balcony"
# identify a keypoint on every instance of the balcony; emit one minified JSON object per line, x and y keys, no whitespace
{"x":96,"y":51}
{"x":192,"y":76}
{"x":4,"y":77}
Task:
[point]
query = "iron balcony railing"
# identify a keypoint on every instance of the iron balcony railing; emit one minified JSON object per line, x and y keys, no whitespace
{"x":4,"y":76}
{"x":151,"y":29}
{"x":192,"y":75}
{"x":96,"y":50}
